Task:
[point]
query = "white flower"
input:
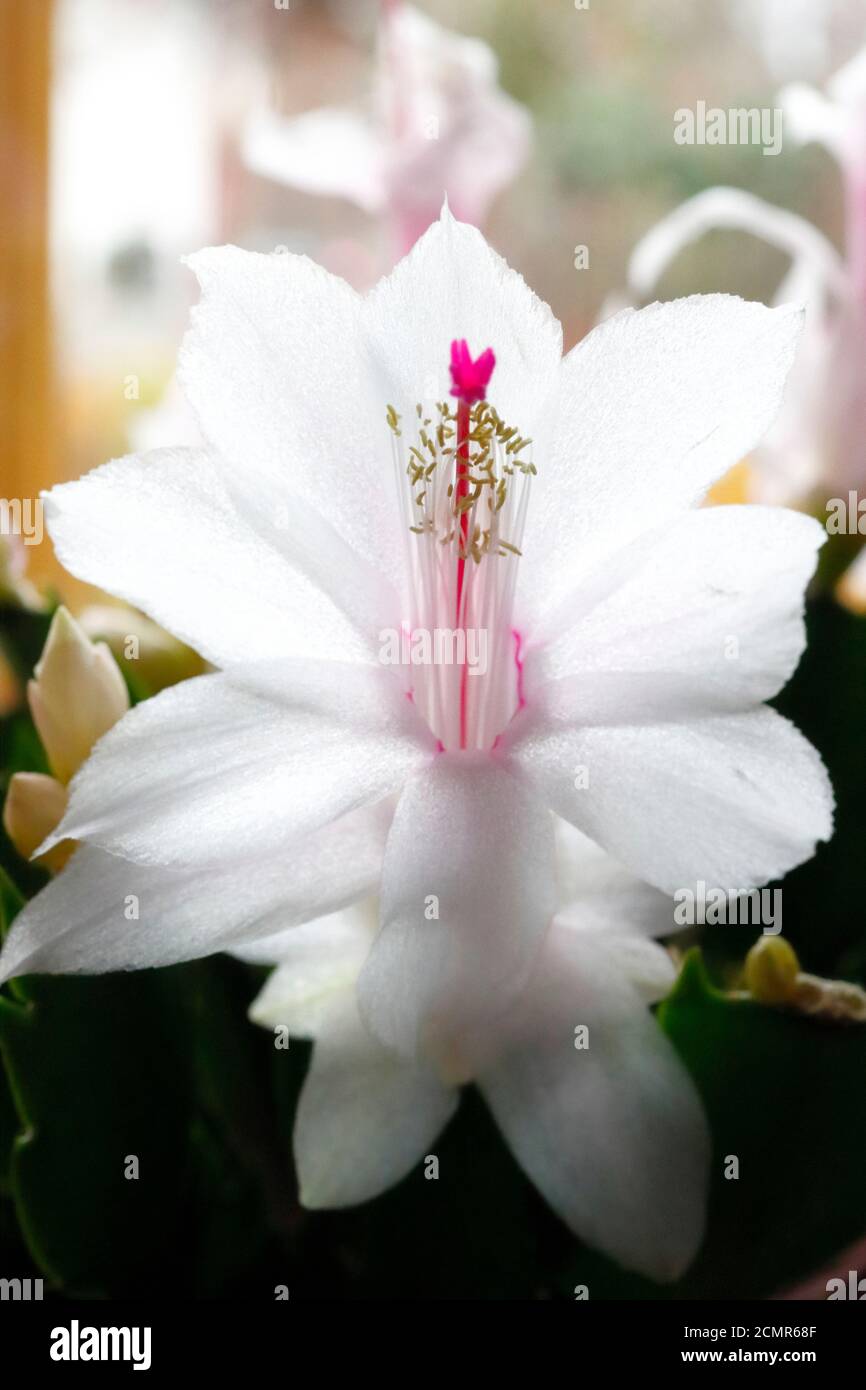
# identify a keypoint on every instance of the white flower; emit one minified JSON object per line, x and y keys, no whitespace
{"x":280,"y":553}
{"x":836,"y":120}
{"x":819,"y":440}
{"x":589,"y":1093}
{"x":627,"y":668}
{"x":442,"y":126}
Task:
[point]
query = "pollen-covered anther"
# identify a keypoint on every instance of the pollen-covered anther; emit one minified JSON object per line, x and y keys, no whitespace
{"x":493,"y":458}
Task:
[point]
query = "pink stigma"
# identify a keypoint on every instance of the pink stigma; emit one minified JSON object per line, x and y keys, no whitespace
{"x":470,"y":379}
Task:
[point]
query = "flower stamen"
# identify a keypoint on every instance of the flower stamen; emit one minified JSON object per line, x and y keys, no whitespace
{"x":469,"y":476}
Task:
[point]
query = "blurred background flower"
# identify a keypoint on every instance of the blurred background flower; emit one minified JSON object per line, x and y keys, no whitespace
{"x":816,"y":450}
{"x":440,"y":126}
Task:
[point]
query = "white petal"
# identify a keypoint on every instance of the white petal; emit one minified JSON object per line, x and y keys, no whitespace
{"x":364,"y":1119}
{"x":161,"y":532}
{"x":468,"y":889}
{"x":365,"y":1115}
{"x":649,"y":968}
{"x":707,"y":618}
{"x":169,"y":424}
{"x":80,"y":922}
{"x":274,"y":367}
{"x":734,"y":800}
{"x":452,"y":285}
{"x":655,"y":406}
{"x":207,"y":771}
{"x":613,"y":1135}
{"x":788,"y":460}
{"x":597,"y":893}
{"x":318,"y":964}
{"x":326,"y":152}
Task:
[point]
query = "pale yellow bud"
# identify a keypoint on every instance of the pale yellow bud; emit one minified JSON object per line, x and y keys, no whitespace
{"x":772,"y":969}
{"x":77,"y":695}
{"x":35,"y":805}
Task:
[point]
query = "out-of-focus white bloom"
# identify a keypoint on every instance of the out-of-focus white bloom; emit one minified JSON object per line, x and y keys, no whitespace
{"x":817,"y":449}
{"x":836,"y":120}
{"x":587,"y":1090}
{"x":798,"y":451}
{"x":792,"y":35}
{"x":441,"y":126}
{"x":77,"y":694}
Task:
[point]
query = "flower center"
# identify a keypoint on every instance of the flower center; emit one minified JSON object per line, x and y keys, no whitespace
{"x":464,"y":491}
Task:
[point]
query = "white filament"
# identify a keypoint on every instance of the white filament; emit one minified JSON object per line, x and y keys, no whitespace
{"x":463,"y":671}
